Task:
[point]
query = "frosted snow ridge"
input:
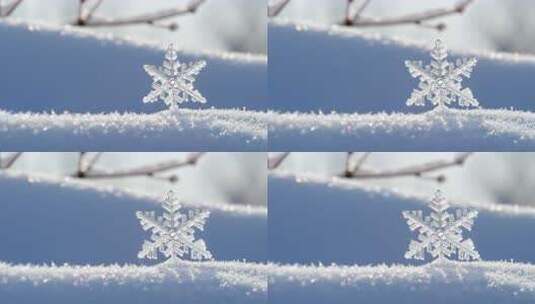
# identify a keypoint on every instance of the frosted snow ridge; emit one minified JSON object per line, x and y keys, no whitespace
{"x":438,"y":130}
{"x":207,"y":282}
{"x":183,"y":129}
{"x":456,"y":282}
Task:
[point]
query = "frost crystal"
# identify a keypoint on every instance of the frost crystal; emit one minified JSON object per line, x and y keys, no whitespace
{"x":440,"y":82}
{"x":173,"y":81}
{"x":173,"y":232}
{"x":440,"y":234}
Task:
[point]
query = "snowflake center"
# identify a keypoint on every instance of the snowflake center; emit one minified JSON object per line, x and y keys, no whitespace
{"x":440,"y":84}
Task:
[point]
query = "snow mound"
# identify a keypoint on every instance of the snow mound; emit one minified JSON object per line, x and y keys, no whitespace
{"x":450,"y":282}
{"x":458,"y":130}
{"x":327,"y":220}
{"x":45,"y":220}
{"x":60,"y":68}
{"x":332,"y":68}
{"x":184,"y":130}
{"x":188,"y":282}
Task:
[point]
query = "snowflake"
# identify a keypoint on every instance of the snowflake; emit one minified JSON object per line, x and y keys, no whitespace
{"x":440,"y":82}
{"x":173,"y":232}
{"x":173,"y":81}
{"x":440,"y":234}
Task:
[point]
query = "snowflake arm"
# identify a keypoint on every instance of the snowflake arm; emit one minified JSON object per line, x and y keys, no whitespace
{"x":416,"y":69}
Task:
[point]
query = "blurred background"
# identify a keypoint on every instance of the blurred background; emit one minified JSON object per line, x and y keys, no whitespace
{"x":218,"y":25}
{"x":240,"y":25}
{"x":502,"y":178}
{"x":496,"y":25}
{"x":226,"y":178}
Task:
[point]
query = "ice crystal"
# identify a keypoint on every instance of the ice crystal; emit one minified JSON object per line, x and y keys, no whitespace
{"x":440,"y":82}
{"x":173,"y":81}
{"x":173,"y":232}
{"x":440,"y":233}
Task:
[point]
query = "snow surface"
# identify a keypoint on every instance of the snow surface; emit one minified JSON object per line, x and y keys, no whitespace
{"x":54,"y":68}
{"x":45,"y":220}
{"x":183,"y":130}
{"x":332,"y":68}
{"x":452,"y":282}
{"x":329,"y":220}
{"x":189,"y":282}
{"x":449,"y":130}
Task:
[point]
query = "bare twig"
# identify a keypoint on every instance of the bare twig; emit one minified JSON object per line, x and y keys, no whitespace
{"x":89,"y":20}
{"x":353,"y":16}
{"x":415,"y":18}
{"x":150,"y":170}
{"x":361,"y":161}
{"x":359,"y":10}
{"x":275,"y":7}
{"x":7,"y":10}
{"x":275,"y":162}
{"x":80,"y":167}
{"x":10,"y":160}
{"x":89,"y":13}
{"x":415,"y":171}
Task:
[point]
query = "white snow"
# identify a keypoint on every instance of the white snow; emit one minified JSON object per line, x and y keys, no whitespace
{"x":189,"y":282}
{"x":183,"y":129}
{"x":449,"y":130}
{"x":451,"y":282}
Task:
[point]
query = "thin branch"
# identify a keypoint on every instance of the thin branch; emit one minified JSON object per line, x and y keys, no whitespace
{"x":80,"y":167}
{"x":356,"y":19}
{"x":347,"y":165}
{"x":151,"y":170}
{"x":10,"y":160}
{"x":91,"y":11}
{"x":275,"y":162}
{"x":10,"y":8}
{"x":91,"y":163}
{"x":151,"y":18}
{"x":416,"y":171}
{"x":361,"y":161}
{"x":276,"y":7}
{"x":415,"y":18}
{"x":358,"y":12}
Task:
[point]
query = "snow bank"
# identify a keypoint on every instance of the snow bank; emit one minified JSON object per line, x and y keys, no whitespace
{"x":183,"y":130}
{"x":314,"y":219}
{"x":45,"y":220}
{"x":452,"y":130}
{"x":207,"y":282}
{"x":452,"y":282}
{"x":48,"y":67}
{"x":316,"y":67}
